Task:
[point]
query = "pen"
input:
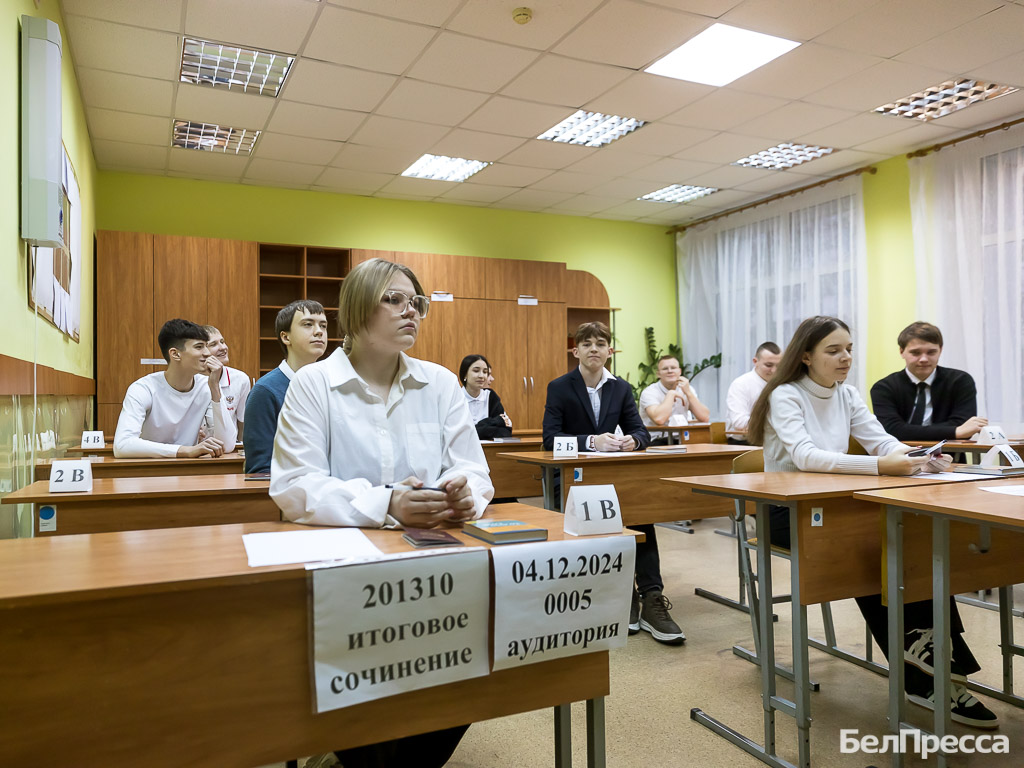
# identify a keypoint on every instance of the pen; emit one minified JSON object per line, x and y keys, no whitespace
{"x":422,"y":488}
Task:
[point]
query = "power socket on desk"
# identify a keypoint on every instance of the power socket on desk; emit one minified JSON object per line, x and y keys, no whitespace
{"x":817,"y":516}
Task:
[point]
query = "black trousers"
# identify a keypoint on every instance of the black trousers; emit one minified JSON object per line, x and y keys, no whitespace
{"x":425,"y":750}
{"x":916,"y":616}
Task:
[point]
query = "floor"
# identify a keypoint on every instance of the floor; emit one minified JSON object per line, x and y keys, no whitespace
{"x":654,"y":687}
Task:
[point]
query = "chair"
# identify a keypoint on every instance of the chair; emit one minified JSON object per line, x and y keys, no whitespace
{"x":718,"y":432}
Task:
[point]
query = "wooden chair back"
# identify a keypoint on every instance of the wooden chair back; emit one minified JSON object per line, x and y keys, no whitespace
{"x":718,"y":432}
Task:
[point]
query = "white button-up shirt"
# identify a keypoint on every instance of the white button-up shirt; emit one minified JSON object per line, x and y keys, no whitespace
{"x":479,"y":405}
{"x":740,"y":400}
{"x":338,"y":444}
{"x":927,"y":420}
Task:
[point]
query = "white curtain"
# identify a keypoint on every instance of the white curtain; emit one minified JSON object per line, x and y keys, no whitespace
{"x":754,"y":276}
{"x":967,"y":208}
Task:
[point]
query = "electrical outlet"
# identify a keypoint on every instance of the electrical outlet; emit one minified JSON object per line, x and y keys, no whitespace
{"x":817,"y":516}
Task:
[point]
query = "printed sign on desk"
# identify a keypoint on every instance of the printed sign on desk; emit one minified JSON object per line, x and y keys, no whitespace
{"x":92,"y":440}
{"x":592,"y":509}
{"x":380,"y":629}
{"x":997,"y":452}
{"x":566,"y":447}
{"x":562,"y":598}
{"x":70,"y":475}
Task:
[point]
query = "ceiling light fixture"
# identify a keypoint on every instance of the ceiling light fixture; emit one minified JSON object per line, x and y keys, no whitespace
{"x":227,"y":66}
{"x":213,"y":138}
{"x":591,"y":129}
{"x":678,"y":193}
{"x":944,"y":99}
{"x":721,"y":54}
{"x":783,"y":156}
{"x":441,"y":168}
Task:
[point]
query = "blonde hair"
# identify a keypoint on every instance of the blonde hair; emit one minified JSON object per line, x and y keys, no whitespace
{"x":361,"y":292}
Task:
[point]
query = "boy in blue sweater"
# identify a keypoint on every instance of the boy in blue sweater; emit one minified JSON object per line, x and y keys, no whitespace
{"x":302,"y":333}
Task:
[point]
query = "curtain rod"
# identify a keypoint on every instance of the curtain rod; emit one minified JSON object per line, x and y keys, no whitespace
{"x":975,"y":135}
{"x":779,"y":196}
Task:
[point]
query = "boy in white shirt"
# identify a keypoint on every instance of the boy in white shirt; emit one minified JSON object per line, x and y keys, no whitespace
{"x":234,"y":384}
{"x":670,"y":400}
{"x":163,"y":411}
{"x":745,"y":389}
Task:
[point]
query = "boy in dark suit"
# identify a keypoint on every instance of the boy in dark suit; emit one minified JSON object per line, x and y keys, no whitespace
{"x":598,"y":409}
{"x":926,"y":401}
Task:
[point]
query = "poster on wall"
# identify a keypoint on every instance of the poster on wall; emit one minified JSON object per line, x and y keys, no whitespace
{"x":55,"y":274}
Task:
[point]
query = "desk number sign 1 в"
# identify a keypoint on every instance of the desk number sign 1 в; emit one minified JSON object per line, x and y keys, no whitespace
{"x":592,"y":510}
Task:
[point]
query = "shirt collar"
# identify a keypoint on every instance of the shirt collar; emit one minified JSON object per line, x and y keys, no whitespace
{"x":479,"y":398}
{"x":605,"y":376}
{"x":816,"y":389}
{"x":915,"y":381}
{"x":286,"y":370}
{"x":340,"y":371}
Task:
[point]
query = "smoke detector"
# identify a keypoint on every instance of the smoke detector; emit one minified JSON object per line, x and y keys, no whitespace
{"x":522,"y":15}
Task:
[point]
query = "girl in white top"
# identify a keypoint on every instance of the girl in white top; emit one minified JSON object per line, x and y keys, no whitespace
{"x":485,"y":408}
{"x":805,"y":417}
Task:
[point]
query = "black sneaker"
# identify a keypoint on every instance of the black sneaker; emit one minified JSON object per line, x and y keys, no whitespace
{"x":634,"y":613}
{"x":964,"y":708}
{"x":655,"y":618}
{"x":919,"y":651}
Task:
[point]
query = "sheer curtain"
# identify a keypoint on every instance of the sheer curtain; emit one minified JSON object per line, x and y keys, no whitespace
{"x":754,"y":276}
{"x":967,"y":208}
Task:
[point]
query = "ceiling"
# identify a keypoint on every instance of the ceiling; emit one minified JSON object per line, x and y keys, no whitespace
{"x":377,"y":83}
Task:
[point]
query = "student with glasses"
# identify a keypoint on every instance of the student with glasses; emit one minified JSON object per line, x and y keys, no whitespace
{"x":363,"y":431}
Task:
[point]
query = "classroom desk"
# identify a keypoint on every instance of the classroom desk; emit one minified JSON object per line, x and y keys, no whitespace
{"x":76,"y":451}
{"x":636,"y":475}
{"x":968,"y":447}
{"x":510,"y":478}
{"x":837,"y":560}
{"x":698,"y":432}
{"x":138,"y":503}
{"x":108,"y":466}
{"x":165,"y":648}
{"x":976,"y":540}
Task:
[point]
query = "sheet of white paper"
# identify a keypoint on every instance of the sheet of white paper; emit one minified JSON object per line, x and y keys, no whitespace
{"x":594,"y":454}
{"x":1009,"y":490}
{"x":281,"y":548}
{"x":952,"y":477}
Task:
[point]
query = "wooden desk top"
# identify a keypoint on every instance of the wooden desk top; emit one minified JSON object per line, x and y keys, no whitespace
{"x":961,"y":500}
{"x":798,"y":486}
{"x":62,"y":569}
{"x":143,"y":488}
{"x":228,"y":463}
{"x":693,"y":450}
{"x":106,"y":450}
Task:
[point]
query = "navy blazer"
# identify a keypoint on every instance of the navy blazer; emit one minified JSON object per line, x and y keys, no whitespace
{"x":954,"y":401}
{"x":568,"y":411}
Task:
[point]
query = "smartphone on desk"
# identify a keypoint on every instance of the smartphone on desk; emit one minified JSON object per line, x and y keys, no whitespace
{"x":934,"y":451}
{"x":420,"y":537}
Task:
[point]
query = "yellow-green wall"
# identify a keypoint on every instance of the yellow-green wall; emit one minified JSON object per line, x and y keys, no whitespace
{"x":636,"y":262}
{"x":55,"y":349}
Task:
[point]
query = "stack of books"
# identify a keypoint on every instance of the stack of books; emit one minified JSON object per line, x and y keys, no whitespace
{"x":504,"y":531}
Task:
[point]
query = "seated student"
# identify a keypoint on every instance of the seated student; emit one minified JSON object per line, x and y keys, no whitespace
{"x":360,"y":434}
{"x":598,"y":409}
{"x":804,"y":418}
{"x":745,"y":389}
{"x":485,"y":406}
{"x":162,"y":412}
{"x":926,"y":401}
{"x":671,"y":400}
{"x":301,"y":329}
{"x":234,"y":384}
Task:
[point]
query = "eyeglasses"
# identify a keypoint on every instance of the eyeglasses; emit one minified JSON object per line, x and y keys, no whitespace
{"x":400,"y":301}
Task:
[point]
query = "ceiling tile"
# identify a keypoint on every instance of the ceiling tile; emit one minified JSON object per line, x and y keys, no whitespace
{"x":723,"y":148}
{"x":915,"y":136}
{"x":356,"y":157}
{"x":648,"y":97}
{"x":165,"y":15}
{"x":879,"y":84}
{"x":711,"y":8}
{"x":630,"y":34}
{"x":209,"y":163}
{"x":664,"y":139}
{"x":623,"y":188}
{"x":407,"y":185}
{"x":585,"y":204}
{"x":1008,"y":71}
{"x":432,"y":12}
{"x":209,"y":105}
{"x":569,"y":181}
{"x":475,"y":145}
{"x":776,"y":182}
{"x":634,"y":209}
{"x":112,"y":90}
{"x":610,"y":163}
{"x":548,"y":154}
{"x":568,"y":82}
{"x":804,"y":70}
{"x":328,"y":85}
{"x":125,"y":155}
{"x":126,"y":126}
{"x":431,"y":103}
{"x":343,"y":179}
{"x":277,"y":25}
{"x":671,"y":171}
{"x":316,"y":122}
{"x":852,"y":132}
{"x":466,"y":62}
{"x":296,"y":149}
{"x":889,"y":28}
{"x":477,"y":193}
{"x":724,"y":109}
{"x":117,"y":48}
{"x":793,"y":119}
{"x":840,"y":162}
{"x":504,"y":175}
{"x":980,"y":41}
{"x":282,"y":172}
{"x":551,"y":20}
{"x":366,"y":41}
{"x":534,"y":199}
{"x":515,"y":118}
{"x":398,"y":134}
{"x":726,"y":176}
{"x":798,"y":20}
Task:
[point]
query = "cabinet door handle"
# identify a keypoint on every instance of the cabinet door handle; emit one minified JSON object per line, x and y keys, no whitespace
{"x":531,"y":383}
{"x":524,"y":384}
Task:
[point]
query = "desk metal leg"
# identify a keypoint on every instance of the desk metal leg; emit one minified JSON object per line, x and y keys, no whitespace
{"x":943,"y":642}
{"x":548,"y":483}
{"x":595,"y":733}
{"x":801,"y":664}
{"x":563,"y":736}
{"x":894,"y":592}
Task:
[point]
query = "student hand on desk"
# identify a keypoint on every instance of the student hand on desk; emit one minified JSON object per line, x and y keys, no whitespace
{"x":971,"y":427}
{"x":609,"y":442}
{"x":209,"y":446}
{"x":899,"y":463}
{"x":416,"y":507}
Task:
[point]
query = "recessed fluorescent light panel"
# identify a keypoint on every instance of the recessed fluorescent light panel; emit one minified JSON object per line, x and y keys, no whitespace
{"x":213,"y":138}
{"x":441,"y":168}
{"x":940,"y":100}
{"x":783,"y":156}
{"x":228,"y":66}
{"x":721,"y":54}
{"x":591,"y":129}
{"x":678,"y":193}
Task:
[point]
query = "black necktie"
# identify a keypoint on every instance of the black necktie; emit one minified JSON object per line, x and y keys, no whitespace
{"x":917,"y":417}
